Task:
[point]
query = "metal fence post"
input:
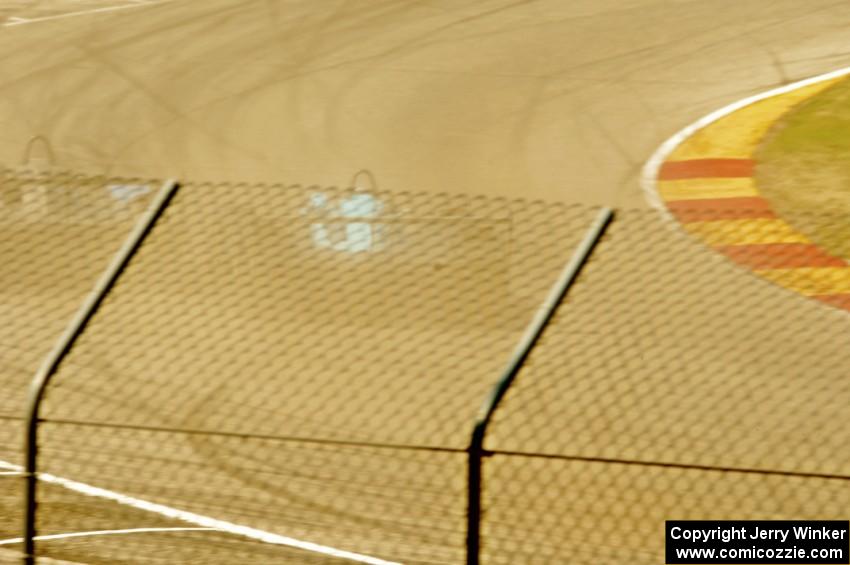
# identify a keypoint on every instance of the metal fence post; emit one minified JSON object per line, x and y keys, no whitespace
{"x":63,"y":346}
{"x":476,"y":451}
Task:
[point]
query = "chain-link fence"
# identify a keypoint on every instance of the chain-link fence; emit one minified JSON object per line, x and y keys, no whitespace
{"x":57,"y":231}
{"x":674,"y":384}
{"x":290,"y":374}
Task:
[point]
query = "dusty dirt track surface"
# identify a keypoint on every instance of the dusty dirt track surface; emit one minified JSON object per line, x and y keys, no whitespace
{"x":562,"y":100}
{"x":557,"y":99}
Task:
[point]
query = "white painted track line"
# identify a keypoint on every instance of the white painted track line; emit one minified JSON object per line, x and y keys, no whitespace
{"x":202,"y":521}
{"x":649,"y":174}
{"x":206,"y":523}
{"x":105,"y":533}
{"x":16,"y":21}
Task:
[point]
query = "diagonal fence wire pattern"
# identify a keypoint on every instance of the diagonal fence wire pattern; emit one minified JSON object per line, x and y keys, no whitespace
{"x":673,"y":384}
{"x":308,"y":359}
{"x":56,"y":233}
{"x":308,"y":362}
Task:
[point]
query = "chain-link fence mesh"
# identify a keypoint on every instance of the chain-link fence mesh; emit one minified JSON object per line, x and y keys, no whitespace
{"x":58,"y":232}
{"x":303,"y":361}
{"x":673,"y":384}
{"x":290,"y":374}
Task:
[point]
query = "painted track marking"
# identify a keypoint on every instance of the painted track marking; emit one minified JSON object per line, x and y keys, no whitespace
{"x":720,"y":205}
{"x":651,"y":169}
{"x":16,"y":20}
{"x":205,"y":522}
{"x":106,"y":533}
{"x":199,"y":520}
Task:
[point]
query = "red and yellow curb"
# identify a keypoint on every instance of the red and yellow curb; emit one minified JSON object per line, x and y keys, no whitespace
{"x":706,"y":183}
